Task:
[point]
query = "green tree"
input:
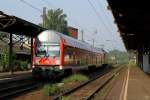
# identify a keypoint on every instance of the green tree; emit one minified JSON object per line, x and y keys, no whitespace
{"x":116,"y":56}
{"x":3,"y":36}
{"x":4,"y":59}
{"x":56,"y":20}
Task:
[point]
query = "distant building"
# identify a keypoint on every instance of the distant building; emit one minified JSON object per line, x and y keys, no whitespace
{"x":73,"y":32}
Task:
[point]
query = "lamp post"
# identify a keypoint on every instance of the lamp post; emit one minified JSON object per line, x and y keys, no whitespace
{"x":93,"y":42}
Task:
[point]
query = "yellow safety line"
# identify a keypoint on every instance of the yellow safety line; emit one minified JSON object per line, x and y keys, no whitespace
{"x":123,"y":94}
{"x":126,"y":86}
{"x":122,"y":90}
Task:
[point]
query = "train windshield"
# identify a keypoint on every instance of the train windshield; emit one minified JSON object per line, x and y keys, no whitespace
{"x":41,"y":51}
{"x":46,"y":47}
{"x":53,"y":50}
{"x":48,"y":51}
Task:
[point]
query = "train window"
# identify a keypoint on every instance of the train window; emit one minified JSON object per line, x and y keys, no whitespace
{"x":53,"y":53}
{"x":48,"y":51}
{"x":53,"y":50}
{"x":41,"y":51}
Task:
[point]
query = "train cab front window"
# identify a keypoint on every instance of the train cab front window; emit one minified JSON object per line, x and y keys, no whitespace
{"x":48,"y":51}
{"x":41,"y":51}
{"x":53,"y":51}
{"x":46,"y":47}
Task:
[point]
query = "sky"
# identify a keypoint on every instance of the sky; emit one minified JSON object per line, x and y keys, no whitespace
{"x":91,"y":16}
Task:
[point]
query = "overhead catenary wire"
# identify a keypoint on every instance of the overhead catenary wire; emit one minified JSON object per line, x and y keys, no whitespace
{"x":104,"y":13}
{"x":30,"y":5}
{"x":103,"y":10}
{"x":72,"y":20}
{"x":100,"y":19}
{"x":37,"y":9}
{"x":48,"y":3}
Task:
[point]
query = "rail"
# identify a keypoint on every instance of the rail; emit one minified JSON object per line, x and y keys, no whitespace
{"x":109,"y":73}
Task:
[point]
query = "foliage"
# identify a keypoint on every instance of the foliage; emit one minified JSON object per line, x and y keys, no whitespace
{"x":65,"y":98}
{"x":4,"y":59}
{"x":20,"y":65}
{"x":132,"y":64}
{"x":55,"y":20}
{"x":75,"y":78}
{"x":16,"y":64}
{"x":23,"y":65}
{"x":116,"y":56}
{"x":51,"y":89}
{"x":4,"y":56}
{"x":3,"y":35}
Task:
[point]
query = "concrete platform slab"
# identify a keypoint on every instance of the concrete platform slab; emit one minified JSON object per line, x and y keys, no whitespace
{"x":132,"y":84}
{"x":138,"y":85}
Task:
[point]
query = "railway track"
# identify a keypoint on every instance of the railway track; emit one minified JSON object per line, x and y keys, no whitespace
{"x":87,"y":90}
{"x":13,"y":87}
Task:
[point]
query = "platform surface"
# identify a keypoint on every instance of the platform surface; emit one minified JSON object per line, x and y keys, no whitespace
{"x":138,"y":85}
{"x":131,"y":84}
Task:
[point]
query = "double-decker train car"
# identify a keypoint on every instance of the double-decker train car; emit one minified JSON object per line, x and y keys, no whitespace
{"x":56,"y":50}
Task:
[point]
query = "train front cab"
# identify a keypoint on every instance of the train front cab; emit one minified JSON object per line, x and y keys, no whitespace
{"x":47,"y":56}
{"x":47,"y":62}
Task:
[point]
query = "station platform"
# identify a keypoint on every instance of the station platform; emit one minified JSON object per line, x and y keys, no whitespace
{"x":131,"y":84}
{"x":138,"y":84}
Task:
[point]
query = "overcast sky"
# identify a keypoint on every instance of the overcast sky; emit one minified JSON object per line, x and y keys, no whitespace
{"x":92,"y":16}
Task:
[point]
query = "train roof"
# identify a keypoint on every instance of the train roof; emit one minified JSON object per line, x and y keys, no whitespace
{"x":74,"y":42}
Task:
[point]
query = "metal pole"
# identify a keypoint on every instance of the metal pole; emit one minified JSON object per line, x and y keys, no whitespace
{"x":93,"y":42}
{"x":44,"y":16}
{"x":10,"y":53}
{"x":82,"y":35}
{"x":31,"y":51}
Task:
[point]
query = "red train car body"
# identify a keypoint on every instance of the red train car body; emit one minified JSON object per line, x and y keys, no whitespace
{"x":55,"y":50}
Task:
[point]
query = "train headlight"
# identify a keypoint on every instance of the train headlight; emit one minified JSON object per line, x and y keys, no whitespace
{"x":37,"y":62}
{"x":57,"y":62}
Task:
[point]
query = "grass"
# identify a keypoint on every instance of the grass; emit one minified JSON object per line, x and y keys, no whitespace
{"x":76,"y":78}
{"x":51,"y":89}
{"x":54,"y":89}
{"x":65,"y":98}
{"x":132,"y":64}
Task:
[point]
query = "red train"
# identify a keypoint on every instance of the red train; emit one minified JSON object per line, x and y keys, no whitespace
{"x":55,"y":50}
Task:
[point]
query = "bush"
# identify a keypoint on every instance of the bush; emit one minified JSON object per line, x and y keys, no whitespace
{"x":51,"y":89}
{"x":132,"y":64}
{"x":4,"y":60}
{"x":16,"y":65}
{"x":23,"y":65}
{"x":75,"y":78}
{"x":1,"y":67}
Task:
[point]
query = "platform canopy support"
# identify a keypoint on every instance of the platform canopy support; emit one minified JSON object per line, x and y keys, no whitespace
{"x":14,"y":25}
